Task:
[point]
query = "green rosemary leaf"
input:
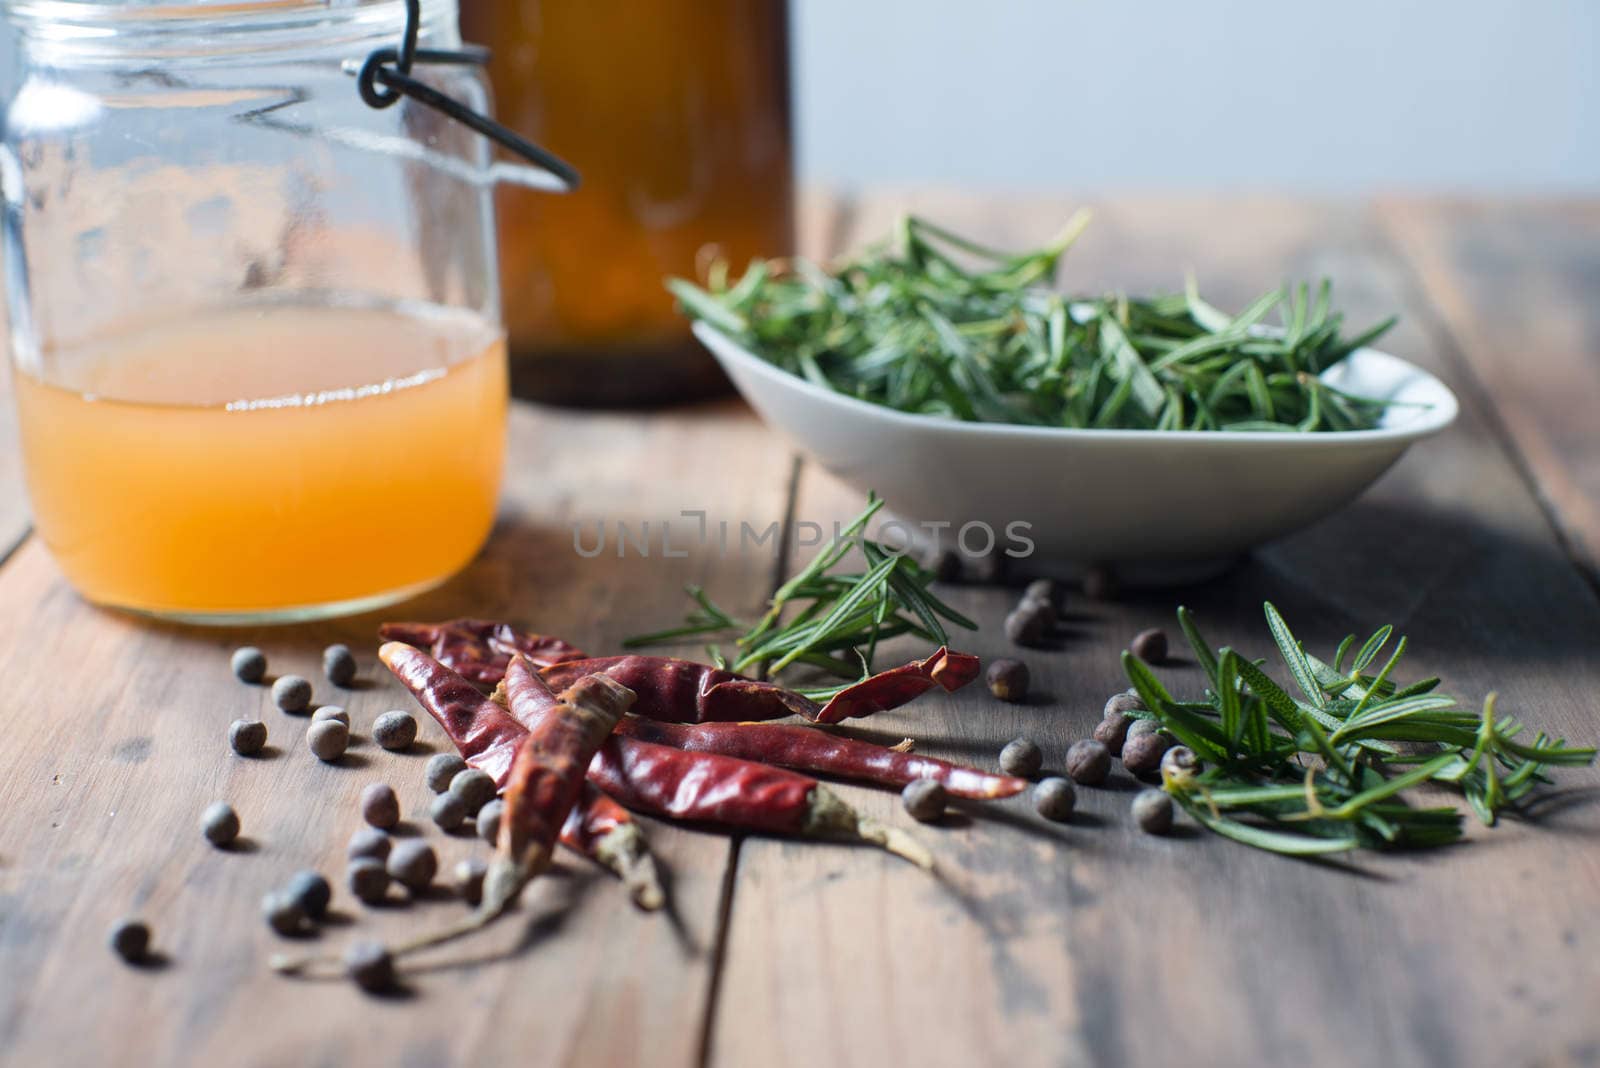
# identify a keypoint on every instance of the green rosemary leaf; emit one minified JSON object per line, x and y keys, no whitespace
{"x":1295,"y":658}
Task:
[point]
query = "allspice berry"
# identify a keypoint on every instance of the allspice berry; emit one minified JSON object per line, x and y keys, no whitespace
{"x":1030,"y":624}
{"x":468,"y":879}
{"x":413,"y":864}
{"x":368,"y":880}
{"x":339,"y":665}
{"x":1045,"y":591}
{"x":311,"y":892}
{"x":1152,"y":811}
{"x":441,"y":768}
{"x":1054,"y":799}
{"x":369,"y":966}
{"x":130,"y":940}
{"x":1150,"y":645}
{"x":1021,"y":757}
{"x":474,"y":788}
{"x":247,"y":737}
{"x":1088,"y":762}
{"x":379,"y":806}
{"x":1008,"y":679}
{"x":369,"y":843}
{"x":1100,"y":583}
{"x":447,"y":811}
{"x":1125,"y":702}
{"x":1112,"y":731}
{"x":395,"y":730}
{"x":219,"y":823}
{"x":249,"y":664}
{"x":327,"y":739}
{"x":488,"y":821}
{"x":1141,"y":754}
{"x":924,"y":800}
{"x":291,"y":694}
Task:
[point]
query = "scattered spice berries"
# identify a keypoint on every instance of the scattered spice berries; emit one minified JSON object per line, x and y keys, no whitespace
{"x":247,"y":737}
{"x":442,"y":767}
{"x":1054,"y":799}
{"x":310,"y":891}
{"x":488,"y":821}
{"x":1112,"y":731}
{"x":475,"y":789}
{"x":413,"y":864}
{"x":368,"y":879}
{"x":379,"y":806}
{"x":328,"y":739}
{"x":1124,"y":702}
{"x":1021,"y":757}
{"x":468,"y":879}
{"x":1088,"y":762}
{"x":249,"y":664}
{"x":284,"y":914}
{"x":291,"y":694}
{"x":1030,"y":623}
{"x":370,"y":966}
{"x":1100,"y":584}
{"x":1141,"y":753}
{"x":1150,"y":645}
{"x":1152,"y":811}
{"x":339,"y":665}
{"x":448,"y":811}
{"x":395,"y":730}
{"x":924,"y":800}
{"x":130,"y":940}
{"x":219,"y":823}
{"x":368,"y":843}
{"x":1008,"y":679}
{"x":1045,"y":591}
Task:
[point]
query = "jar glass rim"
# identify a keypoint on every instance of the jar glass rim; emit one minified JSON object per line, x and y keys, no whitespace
{"x":200,"y":28}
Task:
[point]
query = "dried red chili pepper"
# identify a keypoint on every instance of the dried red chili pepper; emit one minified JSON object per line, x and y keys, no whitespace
{"x":487,"y":737}
{"x":480,"y":649}
{"x":739,"y":794}
{"x":546,"y":779}
{"x":812,"y":750}
{"x":680,"y":691}
{"x":603,"y":830}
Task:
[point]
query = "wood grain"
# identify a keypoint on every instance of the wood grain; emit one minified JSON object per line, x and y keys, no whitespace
{"x":1094,"y":944}
{"x":116,"y":740}
{"x":1515,"y":285}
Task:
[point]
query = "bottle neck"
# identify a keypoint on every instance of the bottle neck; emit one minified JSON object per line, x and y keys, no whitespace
{"x":170,"y":33}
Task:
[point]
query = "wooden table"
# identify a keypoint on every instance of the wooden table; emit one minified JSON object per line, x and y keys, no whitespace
{"x":1039,"y":944}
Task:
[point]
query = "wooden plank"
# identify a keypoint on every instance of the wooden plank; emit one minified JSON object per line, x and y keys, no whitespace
{"x":1093,"y":943}
{"x":116,"y":742}
{"x":1515,"y":284}
{"x":13,"y":497}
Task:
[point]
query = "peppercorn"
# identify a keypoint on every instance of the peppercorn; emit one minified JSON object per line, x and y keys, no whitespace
{"x":475,"y":789}
{"x":468,"y":879}
{"x":1143,"y":725}
{"x":247,"y":736}
{"x":395,"y":730}
{"x":945,"y":565}
{"x":249,"y":664}
{"x":488,"y":821}
{"x":1112,"y":731}
{"x":448,"y":811}
{"x":379,"y":806}
{"x":328,"y":739}
{"x":924,"y":800}
{"x":311,"y":892}
{"x":412,"y":864}
{"x":1045,"y":591}
{"x":1054,"y":799}
{"x":1152,"y":811}
{"x":368,"y":843}
{"x":283,"y":914}
{"x":1179,"y":762}
{"x":339,"y":665}
{"x":219,"y":823}
{"x":130,"y":940}
{"x":1100,"y":583}
{"x":1150,"y":645}
{"x":1008,"y":679}
{"x":369,"y":966}
{"x":1141,"y":754}
{"x":291,"y":694}
{"x":1021,"y":757}
{"x":1125,"y":702}
{"x":442,"y":767}
{"x":1029,"y":624}
{"x":333,"y":712}
{"x":367,"y":879}
{"x":1088,"y":762}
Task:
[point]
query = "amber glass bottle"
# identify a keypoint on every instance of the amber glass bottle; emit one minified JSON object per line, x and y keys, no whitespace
{"x":677,"y":114}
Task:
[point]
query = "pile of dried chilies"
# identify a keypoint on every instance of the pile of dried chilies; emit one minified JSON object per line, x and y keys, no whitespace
{"x":656,"y":735}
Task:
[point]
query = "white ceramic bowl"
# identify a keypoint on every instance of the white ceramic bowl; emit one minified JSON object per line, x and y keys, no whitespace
{"x":1163,"y":506}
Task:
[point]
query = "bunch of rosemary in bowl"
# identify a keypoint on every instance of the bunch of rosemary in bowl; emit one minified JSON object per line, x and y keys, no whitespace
{"x":957,"y":381}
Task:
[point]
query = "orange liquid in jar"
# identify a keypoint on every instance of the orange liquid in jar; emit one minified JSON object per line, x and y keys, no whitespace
{"x":278,"y":460}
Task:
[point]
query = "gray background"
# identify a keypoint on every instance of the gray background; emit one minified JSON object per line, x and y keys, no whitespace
{"x":1342,"y":96}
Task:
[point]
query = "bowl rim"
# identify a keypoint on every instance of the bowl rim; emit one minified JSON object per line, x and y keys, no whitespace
{"x":1429,"y":422}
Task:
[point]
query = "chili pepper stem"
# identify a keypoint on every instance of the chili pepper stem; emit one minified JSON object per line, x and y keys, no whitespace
{"x":623,"y":852}
{"x":830,"y":816}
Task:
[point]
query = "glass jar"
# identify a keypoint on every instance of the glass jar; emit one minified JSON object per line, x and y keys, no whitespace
{"x":254,"y":322}
{"x":677,"y":112}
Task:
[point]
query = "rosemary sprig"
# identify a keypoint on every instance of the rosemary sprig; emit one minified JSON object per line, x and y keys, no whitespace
{"x":824,"y":618}
{"x":934,"y":323}
{"x":1323,"y":771}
